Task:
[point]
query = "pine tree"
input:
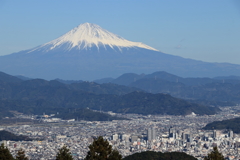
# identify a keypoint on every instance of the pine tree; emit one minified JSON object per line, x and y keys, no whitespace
{"x":21,"y":155}
{"x":101,"y":150}
{"x":115,"y":155}
{"x":64,"y":154}
{"x":214,"y":155}
{"x":5,"y":153}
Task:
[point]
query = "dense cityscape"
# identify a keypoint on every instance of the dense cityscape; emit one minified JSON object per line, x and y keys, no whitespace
{"x":162,"y":133}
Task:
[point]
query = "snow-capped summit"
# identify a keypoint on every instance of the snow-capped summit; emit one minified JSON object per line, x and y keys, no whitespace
{"x":89,"y":52}
{"x":88,"y":35}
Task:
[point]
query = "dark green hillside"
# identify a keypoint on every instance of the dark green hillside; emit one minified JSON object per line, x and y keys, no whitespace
{"x":5,"y":135}
{"x":222,"y":89}
{"x":6,"y":107}
{"x":136,"y":102}
{"x":66,"y":113}
{"x":39,"y":96}
{"x":230,"y":124}
{"x":146,"y":103}
{"x":216,"y":91}
{"x":219,"y":92}
{"x":151,"y":155}
{"x":106,"y":88}
{"x":8,"y":78}
{"x":153,"y":85}
{"x":213,"y":103}
{"x":85,"y":114}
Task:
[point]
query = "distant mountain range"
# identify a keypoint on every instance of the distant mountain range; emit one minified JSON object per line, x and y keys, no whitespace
{"x":207,"y":90}
{"x":89,"y":52}
{"x":39,"y":96}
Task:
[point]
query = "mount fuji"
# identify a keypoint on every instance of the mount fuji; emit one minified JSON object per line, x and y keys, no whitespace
{"x":89,"y":52}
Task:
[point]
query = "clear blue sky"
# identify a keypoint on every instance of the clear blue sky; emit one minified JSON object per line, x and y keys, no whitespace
{"x":207,"y":30}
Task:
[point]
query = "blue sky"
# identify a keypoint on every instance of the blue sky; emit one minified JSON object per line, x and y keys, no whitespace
{"x":207,"y":30}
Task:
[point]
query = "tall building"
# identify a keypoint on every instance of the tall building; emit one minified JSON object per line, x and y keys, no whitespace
{"x":124,"y":137}
{"x":151,"y":134}
{"x":189,"y":138}
{"x":172,"y":133}
{"x":230,"y":134}
{"x":176,"y":136}
{"x":214,"y":134}
{"x":115,"y":137}
{"x":183,"y":136}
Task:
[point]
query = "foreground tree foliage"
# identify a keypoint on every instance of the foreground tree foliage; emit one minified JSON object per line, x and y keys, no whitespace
{"x":214,"y":155}
{"x":151,"y":155}
{"x":21,"y":155}
{"x":64,"y":154}
{"x":101,"y":150}
{"x":5,"y":153}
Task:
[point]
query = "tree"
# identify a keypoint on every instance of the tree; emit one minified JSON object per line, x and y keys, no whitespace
{"x":214,"y":155}
{"x":5,"y":153}
{"x":101,"y":150}
{"x":64,"y":154}
{"x":21,"y":155}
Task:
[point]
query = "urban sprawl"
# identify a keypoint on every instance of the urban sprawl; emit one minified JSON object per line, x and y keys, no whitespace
{"x":140,"y":133}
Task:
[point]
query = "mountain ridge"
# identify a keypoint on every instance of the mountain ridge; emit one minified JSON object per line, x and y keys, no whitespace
{"x":219,"y":90}
{"x":39,"y":96}
{"x":94,"y":56}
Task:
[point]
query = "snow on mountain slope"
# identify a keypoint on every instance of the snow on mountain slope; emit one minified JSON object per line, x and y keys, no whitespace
{"x":89,"y":52}
{"x":89,"y":35}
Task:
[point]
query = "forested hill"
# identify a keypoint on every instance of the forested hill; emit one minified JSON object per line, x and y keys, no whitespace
{"x":230,"y":124}
{"x":85,"y":114}
{"x":106,"y":88}
{"x":223,"y":89}
{"x":151,"y":155}
{"x":5,"y":135}
{"x":39,"y":96}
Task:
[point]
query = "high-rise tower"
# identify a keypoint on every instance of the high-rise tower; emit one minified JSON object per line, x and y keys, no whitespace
{"x":151,"y":134}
